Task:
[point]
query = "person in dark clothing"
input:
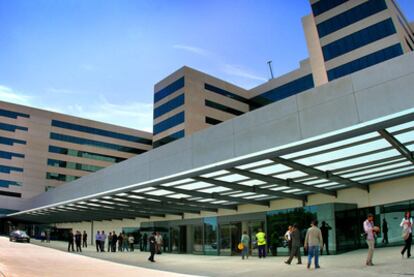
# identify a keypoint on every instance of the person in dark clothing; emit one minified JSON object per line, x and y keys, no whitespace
{"x":98,"y":241}
{"x":295,"y":238}
{"x":145,"y":241}
{"x":84,"y":239}
{"x":70,"y":241}
{"x":120,"y":242}
{"x":385,"y":231}
{"x":114,"y":241}
{"x":152,"y":245}
{"x":325,"y":236}
{"x":78,"y":239}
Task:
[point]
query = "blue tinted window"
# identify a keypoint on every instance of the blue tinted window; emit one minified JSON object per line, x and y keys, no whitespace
{"x":11,"y":128}
{"x":60,"y":177}
{"x":11,"y":141}
{"x":366,"y":61}
{"x":225,"y":93}
{"x":95,"y":143}
{"x":222,"y":108}
{"x":350,"y":16}
{"x":169,"y":123}
{"x":96,"y":131}
{"x":10,"y":155}
{"x":169,"y":106}
{"x":7,"y":183}
{"x":358,"y":39}
{"x":284,"y":91}
{"x":73,"y":165}
{"x":170,"y":89}
{"x":168,"y":139}
{"x":325,"y":5}
{"x":7,"y":169}
{"x":84,"y":154}
{"x":10,"y":114}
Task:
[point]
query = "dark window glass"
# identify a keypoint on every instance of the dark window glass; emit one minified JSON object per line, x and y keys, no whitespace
{"x":72,"y":165}
{"x":170,"y":89}
{"x":10,"y":155}
{"x":284,"y":91}
{"x":212,"y":121}
{"x":222,"y":108}
{"x":168,"y":139}
{"x":350,"y":16}
{"x":60,"y":177}
{"x":8,"y":169}
{"x":96,"y":131}
{"x":11,"y":194}
{"x":325,"y":5}
{"x":10,"y":114}
{"x":364,"y":62}
{"x":169,"y":106}
{"x":95,"y":143}
{"x":169,"y":123}
{"x":358,"y":39}
{"x":7,"y":183}
{"x":11,"y":141}
{"x":11,"y":128}
{"x":225,"y":93}
{"x":84,"y":154}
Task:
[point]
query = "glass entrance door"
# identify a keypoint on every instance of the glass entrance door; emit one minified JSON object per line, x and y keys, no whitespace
{"x":178,"y":239}
{"x":230,"y":234}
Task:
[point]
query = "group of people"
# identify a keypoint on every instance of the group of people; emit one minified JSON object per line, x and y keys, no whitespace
{"x":78,"y":238}
{"x":155,"y":245}
{"x":121,"y":242}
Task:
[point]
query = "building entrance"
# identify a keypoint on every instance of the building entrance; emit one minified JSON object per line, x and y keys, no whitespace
{"x":230,"y":235}
{"x":179,"y":239}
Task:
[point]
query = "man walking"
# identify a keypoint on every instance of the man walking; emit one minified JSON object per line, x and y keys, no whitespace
{"x":102,"y":241}
{"x":98,"y":241}
{"x":158,"y":239}
{"x":152,"y":246}
{"x":84,"y":239}
{"x":288,"y":238}
{"x":385,"y":231}
{"x":370,"y":230}
{"x":313,"y":241}
{"x":70,"y":241}
{"x":114,"y":241}
{"x":78,"y":238}
{"x":261,"y":243}
{"x":325,"y":235}
{"x":295,"y":239}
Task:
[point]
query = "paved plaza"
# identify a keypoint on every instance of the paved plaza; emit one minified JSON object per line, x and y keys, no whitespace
{"x":17,"y":259}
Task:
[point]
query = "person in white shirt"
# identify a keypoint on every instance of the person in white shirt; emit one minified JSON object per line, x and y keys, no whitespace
{"x":288,"y":238}
{"x":407,"y":226}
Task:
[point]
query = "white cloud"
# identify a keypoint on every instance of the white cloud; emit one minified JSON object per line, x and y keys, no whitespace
{"x":192,"y":49}
{"x":9,"y":95}
{"x":240,"y":71}
{"x":61,"y":91}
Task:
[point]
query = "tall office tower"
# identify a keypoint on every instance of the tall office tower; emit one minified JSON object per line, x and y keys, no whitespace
{"x":188,"y":101}
{"x":345,"y":36}
{"x":40,"y":150}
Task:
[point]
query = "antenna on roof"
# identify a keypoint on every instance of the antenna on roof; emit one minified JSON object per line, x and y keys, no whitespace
{"x":270,"y":68}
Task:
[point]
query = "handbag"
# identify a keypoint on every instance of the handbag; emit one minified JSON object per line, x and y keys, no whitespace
{"x":405,"y":234}
{"x":240,"y":246}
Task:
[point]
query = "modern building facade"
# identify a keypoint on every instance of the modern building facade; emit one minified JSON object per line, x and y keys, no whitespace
{"x":40,"y":150}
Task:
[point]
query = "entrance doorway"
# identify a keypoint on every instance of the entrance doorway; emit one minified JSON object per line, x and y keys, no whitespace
{"x":179,"y":239}
{"x":230,"y":235}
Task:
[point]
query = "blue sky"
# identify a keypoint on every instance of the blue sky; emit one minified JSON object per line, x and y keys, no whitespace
{"x":100,"y":59}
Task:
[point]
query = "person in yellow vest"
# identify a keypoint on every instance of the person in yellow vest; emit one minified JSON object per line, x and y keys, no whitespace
{"x":261,"y":243}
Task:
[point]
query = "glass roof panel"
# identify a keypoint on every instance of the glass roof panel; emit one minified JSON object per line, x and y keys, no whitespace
{"x":252,"y":183}
{"x":255,"y":164}
{"x":215,"y":189}
{"x":233,"y":178}
{"x":382,"y":174}
{"x":273,"y":169}
{"x":401,"y":127}
{"x":405,"y":137}
{"x":144,"y":189}
{"x":215,"y":173}
{"x":94,"y":205}
{"x":291,"y":175}
{"x":242,"y":194}
{"x":187,"y":180}
{"x":178,"y":196}
{"x":136,"y":197}
{"x":373,"y":170}
{"x":280,"y":188}
{"x":206,"y":200}
{"x":196,"y":185}
{"x":314,"y":182}
{"x":292,"y":190}
{"x":159,"y":192}
{"x":219,"y":202}
{"x":326,"y":185}
{"x":121,"y":199}
{"x":256,"y":196}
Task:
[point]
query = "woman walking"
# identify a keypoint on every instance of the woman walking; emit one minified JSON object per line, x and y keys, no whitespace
{"x":245,"y":239}
{"x":407,"y":233}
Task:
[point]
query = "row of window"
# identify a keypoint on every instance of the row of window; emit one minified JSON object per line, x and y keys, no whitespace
{"x":169,"y":123}
{"x":7,"y":183}
{"x":222,"y":108}
{"x":9,"y":155}
{"x":325,"y":5}
{"x":212,"y":121}
{"x":101,"y":132}
{"x":169,"y":106}
{"x":11,"y":114}
{"x":369,"y":60}
{"x":10,"y":194}
{"x":350,"y":16}
{"x":358,"y":39}
{"x":11,"y":141}
{"x":225,"y":93}
{"x":72,"y":165}
{"x":8,"y":169}
{"x":11,"y":127}
{"x":286,"y":90}
{"x":95,"y":143}
{"x":84,"y":154}
{"x":60,"y":177}
{"x":168,"y":139}
{"x":170,"y":89}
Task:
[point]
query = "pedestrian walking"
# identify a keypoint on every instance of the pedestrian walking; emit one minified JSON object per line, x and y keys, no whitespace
{"x":70,"y":241}
{"x":407,"y":233}
{"x":261,"y":243}
{"x":120,"y":242}
{"x":110,"y":242}
{"x":158,"y":239}
{"x":114,"y":241}
{"x":245,"y":240}
{"x":78,"y":239}
{"x":48,"y":236}
{"x":385,"y":231}
{"x":102,"y":241}
{"x":370,"y":231}
{"x":125,"y":242}
{"x":131,"y":241}
{"x":288,"y":238}
{"x":313,"y":241}
{"x":84,"y":239}
{"x":325,"y":235}
{"x":152,"y":245}
{"x":42,"y":236}
{"x":295,"y":239}
{"x":98,"y":241}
